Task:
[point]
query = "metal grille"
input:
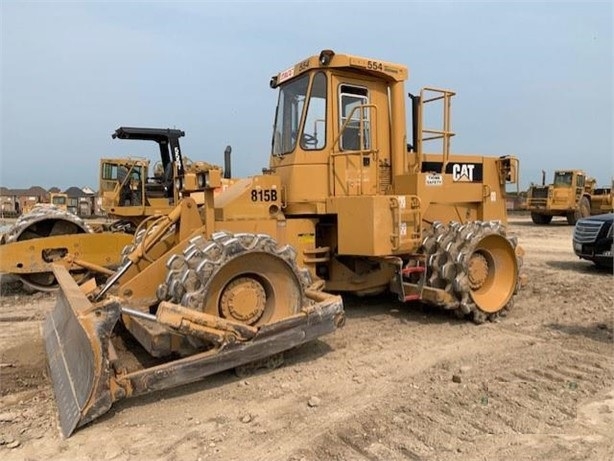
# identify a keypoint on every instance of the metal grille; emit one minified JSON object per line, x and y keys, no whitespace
{"x":537,"y":202}
{"x":385,"y":179}
{"x":586,"y":231}
{"x":539,"y":192}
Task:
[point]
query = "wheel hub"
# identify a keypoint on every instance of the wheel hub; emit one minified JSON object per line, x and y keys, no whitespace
{"x":477,"y":270}
{"x":243,"y":299}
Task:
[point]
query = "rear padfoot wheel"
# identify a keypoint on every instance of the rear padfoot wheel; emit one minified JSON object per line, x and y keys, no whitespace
{"x":476,"y":263}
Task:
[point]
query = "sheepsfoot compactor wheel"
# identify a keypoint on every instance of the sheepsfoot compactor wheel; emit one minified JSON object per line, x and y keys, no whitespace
{"x":471,"y":268}
{"x":48,"y":234}
{"x":234,"y":301}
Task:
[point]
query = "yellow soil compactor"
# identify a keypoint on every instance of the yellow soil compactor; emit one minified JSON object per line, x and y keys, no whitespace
{"x":346,"y":205}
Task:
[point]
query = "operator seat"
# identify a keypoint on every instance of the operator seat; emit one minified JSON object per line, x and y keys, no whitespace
{"x":164,"y":188}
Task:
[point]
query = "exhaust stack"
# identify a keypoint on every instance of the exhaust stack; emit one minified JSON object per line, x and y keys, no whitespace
{"x":227,"y":172}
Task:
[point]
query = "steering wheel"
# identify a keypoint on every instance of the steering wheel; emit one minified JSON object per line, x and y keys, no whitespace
{"x":309,"y":140}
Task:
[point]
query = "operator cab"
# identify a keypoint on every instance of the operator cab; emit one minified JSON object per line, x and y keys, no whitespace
{"x":130,"y":189}
{"x":121,"y":181}
{"x":333,"y":124}
{"x":563,"y":178}
{"x":161,"y":184}
{"x":311,"y":134}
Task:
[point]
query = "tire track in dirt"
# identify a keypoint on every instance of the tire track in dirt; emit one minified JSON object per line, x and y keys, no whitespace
{"x":388,"y":384}
{"x":503,"y":399}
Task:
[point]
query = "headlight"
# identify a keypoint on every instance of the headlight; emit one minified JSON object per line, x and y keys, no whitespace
{"x":178,"y":183}
{"x":610,"y":232}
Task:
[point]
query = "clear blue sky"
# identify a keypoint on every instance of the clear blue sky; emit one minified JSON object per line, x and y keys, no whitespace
{"x":532,"y":79}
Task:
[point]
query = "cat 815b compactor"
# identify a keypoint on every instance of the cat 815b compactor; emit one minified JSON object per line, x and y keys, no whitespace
{"x":346,"y":205}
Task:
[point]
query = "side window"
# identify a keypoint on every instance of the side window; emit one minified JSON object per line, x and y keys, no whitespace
{"x":135,"y":174}
{"x":580,"y":180}
{"x":314,"y":130}
{"x":563,"y":178}
{"x":109,"y":171}
{"x":351,"y":114}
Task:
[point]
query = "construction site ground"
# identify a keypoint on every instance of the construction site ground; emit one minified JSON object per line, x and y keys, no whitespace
{"x":396,"y":382}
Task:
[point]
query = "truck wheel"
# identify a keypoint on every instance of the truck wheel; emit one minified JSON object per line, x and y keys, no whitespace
{"x":540,"y":218}
{"x":573,"y":216}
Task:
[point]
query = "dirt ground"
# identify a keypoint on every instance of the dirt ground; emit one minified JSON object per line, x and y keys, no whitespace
{"x":396,"y":382}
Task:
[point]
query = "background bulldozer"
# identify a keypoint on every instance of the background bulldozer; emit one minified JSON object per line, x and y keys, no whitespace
{"x":572,"y":194}
{"x":345,"y":205}
{"x":131,"y":193}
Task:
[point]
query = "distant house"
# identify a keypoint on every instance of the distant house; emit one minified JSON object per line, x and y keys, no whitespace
{"x":13,"y":202}
{"x":7,"y":202}
{"x":16,"y":201}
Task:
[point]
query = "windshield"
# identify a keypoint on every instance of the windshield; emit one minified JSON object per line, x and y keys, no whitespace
{"x":314,"y":131}
{"x":113,"y":173}
{"x":288,"y":116}
{"x":563,"y":178}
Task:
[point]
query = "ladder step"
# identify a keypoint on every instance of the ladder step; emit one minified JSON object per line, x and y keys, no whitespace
{"x":415,"y":297}
{"x":406,"y":271}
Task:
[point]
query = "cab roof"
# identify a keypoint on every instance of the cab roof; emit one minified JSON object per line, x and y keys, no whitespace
{"x":328,"y":58}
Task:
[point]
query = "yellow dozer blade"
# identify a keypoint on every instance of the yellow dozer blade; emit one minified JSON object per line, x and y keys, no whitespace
{"x":77,"y":339}
{"x":88,"y":376}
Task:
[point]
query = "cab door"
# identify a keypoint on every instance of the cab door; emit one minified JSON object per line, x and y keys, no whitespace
{"x":360,"y":160}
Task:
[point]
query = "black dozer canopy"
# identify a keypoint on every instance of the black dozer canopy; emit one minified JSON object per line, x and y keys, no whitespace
{"x":167,"y":139}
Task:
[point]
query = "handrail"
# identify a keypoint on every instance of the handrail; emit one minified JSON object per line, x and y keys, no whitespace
{"x":349,"y":118}
{"x":444,"y":133}
{"x":360,"y":152}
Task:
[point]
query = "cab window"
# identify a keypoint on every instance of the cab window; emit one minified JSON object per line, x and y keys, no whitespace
{"x":351,"y":98}
{"x":288,"y":115}
{"x":109,"y":171}
{"x":314,"y":130}
{"x":563,"y":178}
{"x":580,"y":180}
{"x":59,"y":200}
